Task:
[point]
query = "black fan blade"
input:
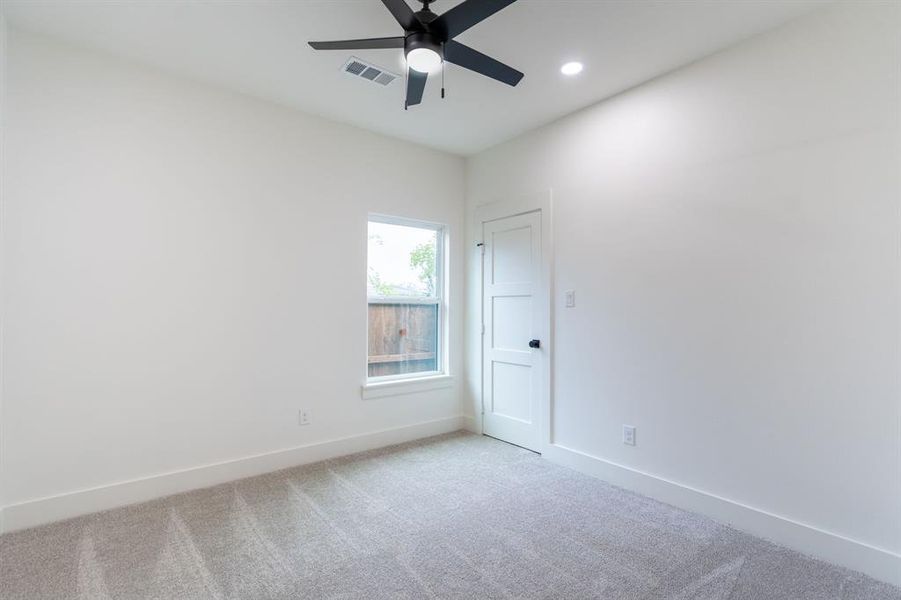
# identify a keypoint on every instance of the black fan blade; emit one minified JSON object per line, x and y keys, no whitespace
{"x":403,"y":13}
{"x":415,"y":86}
{"x":474,"y":60}
{"x":466,"y":14}
{"x":367,"y":44}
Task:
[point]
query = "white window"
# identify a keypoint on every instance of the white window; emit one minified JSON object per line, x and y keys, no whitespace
{"x":406,"y":299}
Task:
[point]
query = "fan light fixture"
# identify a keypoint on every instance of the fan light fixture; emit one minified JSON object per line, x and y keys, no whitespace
{"x":424,"y":60}
{"x":571,"y":68}
{"x":428,"y":41}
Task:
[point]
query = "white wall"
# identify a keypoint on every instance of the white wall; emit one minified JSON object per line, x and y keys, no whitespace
{"x":732,"y":234}
{"x":3,"y":52}
{"x":185,"y":268}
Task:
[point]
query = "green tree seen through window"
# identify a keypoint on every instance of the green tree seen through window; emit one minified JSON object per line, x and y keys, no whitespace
{"x":422,"y":258}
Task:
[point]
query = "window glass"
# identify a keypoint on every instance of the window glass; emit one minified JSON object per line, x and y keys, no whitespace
{"x":405,"y":299}
{"x":402,"y":260}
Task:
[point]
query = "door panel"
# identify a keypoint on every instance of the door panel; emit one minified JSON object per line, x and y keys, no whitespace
{"x":512,"y":370}
{"x":511,"y":316}
{"x":510,"y":383}
{"x":510,"y":257}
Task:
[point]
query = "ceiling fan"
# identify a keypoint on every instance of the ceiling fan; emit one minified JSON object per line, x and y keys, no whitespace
{"x":428,"y":42}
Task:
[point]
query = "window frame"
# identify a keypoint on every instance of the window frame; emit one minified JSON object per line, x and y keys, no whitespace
{"x":439,"y":300}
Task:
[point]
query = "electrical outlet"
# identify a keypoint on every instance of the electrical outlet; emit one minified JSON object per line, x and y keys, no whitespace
{"x":303,"y":416}
{"x":570,"y":297}
{"x":628,"y":435}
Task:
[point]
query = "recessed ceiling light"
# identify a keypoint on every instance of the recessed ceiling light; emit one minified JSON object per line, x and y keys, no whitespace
{"x":571,"y":68}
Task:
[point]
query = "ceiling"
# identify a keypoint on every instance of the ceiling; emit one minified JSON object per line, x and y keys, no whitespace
{"x":259,"y":47}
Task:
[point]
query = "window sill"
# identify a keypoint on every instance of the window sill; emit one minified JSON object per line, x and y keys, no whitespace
{"x":406,"y":386}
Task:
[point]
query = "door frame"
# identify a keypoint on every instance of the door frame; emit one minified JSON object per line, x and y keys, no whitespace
{"x":541,"y":202}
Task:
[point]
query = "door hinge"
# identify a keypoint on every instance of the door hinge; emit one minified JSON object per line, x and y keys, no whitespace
{"x":483,"y":329}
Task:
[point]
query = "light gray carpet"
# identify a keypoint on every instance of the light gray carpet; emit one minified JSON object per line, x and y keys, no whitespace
{"x":457,"y":516}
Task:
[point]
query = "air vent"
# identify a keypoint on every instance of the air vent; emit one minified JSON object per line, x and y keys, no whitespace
{"x":360,"y":68}
{"x":370,"y":73}
{"x":355,"y":67}
{"x":385,"y":78}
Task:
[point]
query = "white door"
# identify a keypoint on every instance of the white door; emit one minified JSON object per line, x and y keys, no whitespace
{"x":514,"y":316}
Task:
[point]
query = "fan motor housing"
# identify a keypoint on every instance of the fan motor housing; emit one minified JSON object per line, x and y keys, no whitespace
{"x":425,"y":15}
{"x":422,"y":39}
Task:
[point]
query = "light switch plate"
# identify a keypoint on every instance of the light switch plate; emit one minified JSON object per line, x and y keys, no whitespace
{"x":570,"y":296}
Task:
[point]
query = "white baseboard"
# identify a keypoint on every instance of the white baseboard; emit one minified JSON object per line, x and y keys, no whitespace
{"x":471,"y":424}
{"x":73,"y":504}
{"x":876,"y":562}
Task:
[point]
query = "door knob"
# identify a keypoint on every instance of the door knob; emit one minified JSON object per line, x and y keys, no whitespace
{"x":534,"y":343}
